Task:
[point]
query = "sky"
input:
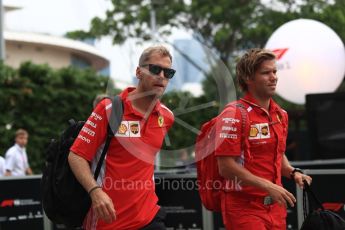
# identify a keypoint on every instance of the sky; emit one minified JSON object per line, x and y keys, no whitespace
{"x":56,"y":17}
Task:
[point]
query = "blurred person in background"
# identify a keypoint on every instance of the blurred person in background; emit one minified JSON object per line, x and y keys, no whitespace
{"x":2,"y":166}
{"x":16,"y":159}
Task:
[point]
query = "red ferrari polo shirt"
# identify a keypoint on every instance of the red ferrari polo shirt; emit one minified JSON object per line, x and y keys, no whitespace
{"x":127,"y":174}
{"x":265,"y":141}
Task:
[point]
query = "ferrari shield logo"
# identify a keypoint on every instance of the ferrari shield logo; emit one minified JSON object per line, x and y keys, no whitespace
{"x":160,"y":121}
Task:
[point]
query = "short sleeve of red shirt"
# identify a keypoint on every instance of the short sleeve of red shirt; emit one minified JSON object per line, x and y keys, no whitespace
{"x":228,"y":132}
{"x":93,"y":133}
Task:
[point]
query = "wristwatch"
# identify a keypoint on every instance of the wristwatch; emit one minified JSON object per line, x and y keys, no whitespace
{"x":292,"y":173}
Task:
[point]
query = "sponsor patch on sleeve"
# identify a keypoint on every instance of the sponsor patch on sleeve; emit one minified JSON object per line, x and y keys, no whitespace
{"x":228,"y":136}
{"x":230,"y":120}
{"x":96,"y":116}
{"x":83,"y":138}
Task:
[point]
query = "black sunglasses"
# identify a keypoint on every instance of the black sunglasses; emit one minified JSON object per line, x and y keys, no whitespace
{"x":156,"y":69}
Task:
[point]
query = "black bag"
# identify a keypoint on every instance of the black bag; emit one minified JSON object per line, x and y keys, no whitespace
{"x":318,"y":218}
{"x":64,"y":200}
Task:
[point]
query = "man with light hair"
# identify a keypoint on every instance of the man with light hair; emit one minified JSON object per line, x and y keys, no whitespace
{"x":255,"y":157}
{"x":124,"y":196}
{"x":16,"y":159}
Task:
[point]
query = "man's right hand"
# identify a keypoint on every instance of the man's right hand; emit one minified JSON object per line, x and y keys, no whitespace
{"x":281,"y":195}
{"x":103,"y":206}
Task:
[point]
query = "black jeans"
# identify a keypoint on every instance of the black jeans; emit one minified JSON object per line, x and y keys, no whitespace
{"x":158,"y":221}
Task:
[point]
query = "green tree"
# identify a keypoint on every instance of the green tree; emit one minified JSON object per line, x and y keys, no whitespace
{"x":219,"y":24}
{"x":224,"y":26}
{"x":42,"y":100}
{"x":190,"y":113}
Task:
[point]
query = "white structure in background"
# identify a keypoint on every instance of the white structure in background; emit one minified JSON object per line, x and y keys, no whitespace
{"x":194,"y":88}
{"x":311,"y":59}
{"x":188,"y":77}
{"x":47,"y":49}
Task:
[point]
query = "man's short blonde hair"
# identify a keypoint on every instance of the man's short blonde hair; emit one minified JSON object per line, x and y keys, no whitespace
{"x":146,"y":54}
{"x":249,"y":63}
{"x":21,"y":132}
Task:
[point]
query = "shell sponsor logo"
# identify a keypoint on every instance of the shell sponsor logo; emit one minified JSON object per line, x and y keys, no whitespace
{"x":122,"y":129}
{"x":253,"y":132}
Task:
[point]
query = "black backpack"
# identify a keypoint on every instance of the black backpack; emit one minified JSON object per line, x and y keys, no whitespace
{"x":64,"y":199}
{"x":318,"y":218}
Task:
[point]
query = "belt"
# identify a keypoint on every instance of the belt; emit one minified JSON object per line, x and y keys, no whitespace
{"x":265,"y":200}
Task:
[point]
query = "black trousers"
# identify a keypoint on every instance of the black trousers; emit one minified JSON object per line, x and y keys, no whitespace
{"x":158,"y":221}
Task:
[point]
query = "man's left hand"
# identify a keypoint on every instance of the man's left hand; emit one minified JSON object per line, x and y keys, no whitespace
{"x":300,"y":177}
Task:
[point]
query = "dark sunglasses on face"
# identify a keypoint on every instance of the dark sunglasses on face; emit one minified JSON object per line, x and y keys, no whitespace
{"x":156,"y":69}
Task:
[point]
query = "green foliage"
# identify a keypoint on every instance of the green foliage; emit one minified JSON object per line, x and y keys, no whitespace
{"x":223,"y":25}
{"x":42,"y":100}
{"x":189,"y":116}
{"x":227,"y":27}
{"x":219,"y":24}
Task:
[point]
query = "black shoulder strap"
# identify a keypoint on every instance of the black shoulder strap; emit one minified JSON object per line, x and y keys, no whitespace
{"x":114,"y":122}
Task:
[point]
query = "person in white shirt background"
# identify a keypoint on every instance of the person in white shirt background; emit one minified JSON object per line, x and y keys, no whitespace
{"x":2,"y":166}
{"x":16,"y":159}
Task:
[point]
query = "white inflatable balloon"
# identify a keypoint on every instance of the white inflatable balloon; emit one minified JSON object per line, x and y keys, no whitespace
{"x":311,"y":59}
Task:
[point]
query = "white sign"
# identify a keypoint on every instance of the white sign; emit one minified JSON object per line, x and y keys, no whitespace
{"x":311,"y":59}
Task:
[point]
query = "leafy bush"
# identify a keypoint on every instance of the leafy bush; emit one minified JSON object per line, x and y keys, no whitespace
{"x":42,"y":100}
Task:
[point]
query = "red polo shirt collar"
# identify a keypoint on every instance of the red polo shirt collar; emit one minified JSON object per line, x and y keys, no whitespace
{"x":253,"y":102}
{"x":128,"y":104}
